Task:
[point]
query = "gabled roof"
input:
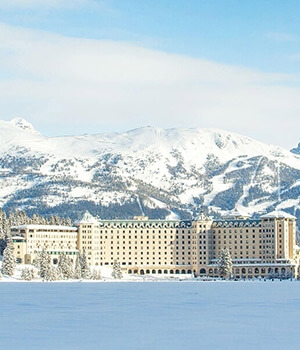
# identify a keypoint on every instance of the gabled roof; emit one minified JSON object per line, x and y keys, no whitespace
{"x":278,"y":214}
{"x":203,"y":217}
{"x":87,"y":218}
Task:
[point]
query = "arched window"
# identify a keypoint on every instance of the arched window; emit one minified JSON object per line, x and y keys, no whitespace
{"x":135,"y":271}
{"x":153,"y":271}
{"x":216,"y":271}
{"x":249,"y":270}
{"x":171,"y":271}
{"x":237,"y":270}
{"x":189,"y":271}
{"x":159,"y":271}
{"x":210,"y":271}
{"x":202,"y":271}
{"x":270,"y":270}
{"x":177,"y":272}
{"x":183,"y":271}
{"x":147,"y":271}
{"x":256,"y":270}
{"x":283,"y":271}
{"x":263,"y":270}
{"x":142,"y":272}
{"x":129,"y":271}
{"x":276,"y":270}
{"x":55,"y":261}
{"x":165,"y":271}
{"x":243,"y":270}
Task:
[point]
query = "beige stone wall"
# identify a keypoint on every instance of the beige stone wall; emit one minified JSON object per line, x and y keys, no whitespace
{"x":169,"y":247}
{"x":51,"y":238}
{"x":138,"y":244}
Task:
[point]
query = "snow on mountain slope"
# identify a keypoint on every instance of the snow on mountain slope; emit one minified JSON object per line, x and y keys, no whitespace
{"x":24,"y":125}
{"x":183,"y":168}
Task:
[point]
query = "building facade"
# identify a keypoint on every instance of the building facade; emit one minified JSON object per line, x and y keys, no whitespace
{"x":262,"y":247}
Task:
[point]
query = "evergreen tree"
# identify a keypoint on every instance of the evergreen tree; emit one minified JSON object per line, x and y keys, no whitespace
{"x":2,"y":241}
{"x":85,"y":269}
{"x":66,"y":267}
{"x":68,"y":221}
{"x":4,"y":231}
{"x":77,"y":271}
{"x":8,"y":262}
{"x":58,"y":274}
{"x":57,"y":220}
{"x":44,"y":263}
{"x":50,"y":274}
{"x":35,"y":219}
{"x":96,"y":275}
{"x":51,"y":220}
{"x":27,"y":274}
{"x":117,"y":272}
{"x":225,"y":264}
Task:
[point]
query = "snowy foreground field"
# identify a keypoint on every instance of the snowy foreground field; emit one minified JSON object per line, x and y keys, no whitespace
{"x":157,"y":315}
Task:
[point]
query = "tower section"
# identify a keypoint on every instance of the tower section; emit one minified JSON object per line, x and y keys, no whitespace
{"x":202,"y":244}
{"x":88,"y":238}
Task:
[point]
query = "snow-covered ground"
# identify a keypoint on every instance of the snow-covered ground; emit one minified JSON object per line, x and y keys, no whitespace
{"x":106,"y":273}
{"x":174,"y":315}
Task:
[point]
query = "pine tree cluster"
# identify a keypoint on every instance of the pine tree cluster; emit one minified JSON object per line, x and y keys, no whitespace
{"x":65,"y":269}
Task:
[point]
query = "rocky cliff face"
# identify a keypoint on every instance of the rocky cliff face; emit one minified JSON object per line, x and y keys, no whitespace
{"x":148,"y":170}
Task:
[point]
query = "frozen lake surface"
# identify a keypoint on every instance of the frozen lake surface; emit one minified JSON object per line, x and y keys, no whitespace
{"x":179,"y":315}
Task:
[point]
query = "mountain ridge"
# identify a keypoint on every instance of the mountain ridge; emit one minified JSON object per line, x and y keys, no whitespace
{"x":147,"y":169}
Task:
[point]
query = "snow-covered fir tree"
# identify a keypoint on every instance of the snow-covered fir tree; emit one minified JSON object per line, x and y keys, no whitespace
{"x":225,"y":264}
{"x":2,"y":241}
{"x":50,"y":274}
{"x":44,"y":263}
{"x":27,"y":274}
{"x":67,"y":221}
{"x":77,"y":271}
{"x":85,"y":269}
{"x":96,"y":275}
{"x":65,"y":266}
{"x":117,"y":272}
{"x":8,"y":262}
{"x":4,"y":231}
{"x":35,"y":219}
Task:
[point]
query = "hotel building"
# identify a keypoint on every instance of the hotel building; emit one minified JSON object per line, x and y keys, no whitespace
{"x":258,"y":247}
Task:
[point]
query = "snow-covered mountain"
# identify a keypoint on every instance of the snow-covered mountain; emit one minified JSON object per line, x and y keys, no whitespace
{"x":148,"y":170}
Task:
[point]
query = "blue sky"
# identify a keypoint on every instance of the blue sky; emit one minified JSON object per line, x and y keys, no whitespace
{"x":253,"y":43}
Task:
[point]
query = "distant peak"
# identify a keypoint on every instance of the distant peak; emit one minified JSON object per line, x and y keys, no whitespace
{"x":23,"y":124}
